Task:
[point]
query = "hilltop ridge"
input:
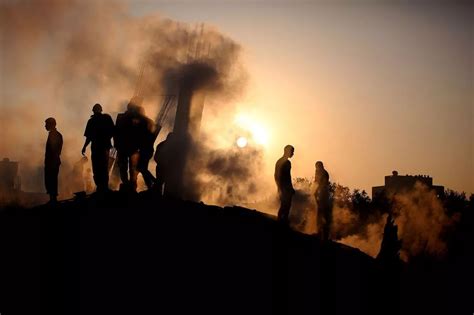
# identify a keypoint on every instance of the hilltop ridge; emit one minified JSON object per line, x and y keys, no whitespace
{"x":140,"y":254}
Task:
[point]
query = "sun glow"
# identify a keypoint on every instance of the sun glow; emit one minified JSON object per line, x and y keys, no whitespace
{"x":241,"y":142}
{"x":258,"y":131}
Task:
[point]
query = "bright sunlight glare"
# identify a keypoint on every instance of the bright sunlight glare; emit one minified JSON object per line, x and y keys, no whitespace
{"x":242,"y":142}
{"x":258,"y":131}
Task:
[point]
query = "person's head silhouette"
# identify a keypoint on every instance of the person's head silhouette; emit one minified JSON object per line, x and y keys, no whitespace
{"x":289,"y":151}
{"x":50,"y":124}
{"x":131,"y":107}
{"x":97,"y":109}
{"x":319,"y":165}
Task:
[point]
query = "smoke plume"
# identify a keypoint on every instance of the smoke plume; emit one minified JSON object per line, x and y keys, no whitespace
{"x":422,"y":223}
{"x":230,"y":175}
{"x":58,"y":59}
{"x":368,"y":241}
{"x":421,"y":218}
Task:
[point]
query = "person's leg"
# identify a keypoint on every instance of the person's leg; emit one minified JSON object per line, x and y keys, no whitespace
{"x":55,"y":182}
{"x":149,"y":178}
{"x":95,"y":160}
{"x":328,"y":221}
{"x":133,"y":163}
{"x":47,"y":180}
{"x":102,"y":169}
{"x":289,"y":201}
{"x":159,"y":181}
{"x":105,"y":170}
{"x":285,"y":205}
{"x":144,"y":159}
{"x":319,"y":220}
{"x":281,"y":210}
{"x":122,"y":161}
{"x":51,"y":173}
{"x":324,"y":230}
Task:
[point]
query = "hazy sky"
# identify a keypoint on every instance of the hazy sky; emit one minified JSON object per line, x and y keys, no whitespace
{"x":366,"y":88}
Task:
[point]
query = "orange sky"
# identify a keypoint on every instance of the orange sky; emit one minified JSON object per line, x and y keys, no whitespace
{"x":366,"y":88}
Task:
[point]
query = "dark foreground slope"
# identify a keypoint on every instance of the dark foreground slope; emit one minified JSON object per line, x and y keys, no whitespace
{"x":142,"y":255}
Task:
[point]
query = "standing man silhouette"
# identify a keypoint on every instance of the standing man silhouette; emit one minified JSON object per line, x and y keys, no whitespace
{"x":52,"y":159}
{"x":323,"y":205}
{"x":128,"y":130}
{"x":284,"y":184}
{"x":99,"y":131}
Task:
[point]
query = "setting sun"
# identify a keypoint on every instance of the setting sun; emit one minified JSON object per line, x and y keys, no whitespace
{"x":257,"y":129}
{"x":241,"y":142}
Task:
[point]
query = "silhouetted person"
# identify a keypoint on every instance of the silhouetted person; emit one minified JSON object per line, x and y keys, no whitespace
{"x":147,"y":140}
{"x":323,"y":205}
{"x":280,"y":251}
{"x":163,"y":154}
{"x":126,"y":140}
{"x":389,"y":252}
{"x":99,"y":131}
{"x":52,"y":159}
{"x":284,"y":184}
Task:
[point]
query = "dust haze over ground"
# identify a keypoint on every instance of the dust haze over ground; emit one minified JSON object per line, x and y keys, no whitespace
{"x":422,"y":220}
{"x":58,"y":59}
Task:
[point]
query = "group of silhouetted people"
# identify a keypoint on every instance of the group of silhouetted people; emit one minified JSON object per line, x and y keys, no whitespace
{"x":286,"y":192}
{"x":134,"y":135}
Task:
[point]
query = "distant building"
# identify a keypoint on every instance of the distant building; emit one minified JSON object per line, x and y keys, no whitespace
{"x":404,"y":183}
{"x":9,"y":179}
{"x":10,"y":188}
